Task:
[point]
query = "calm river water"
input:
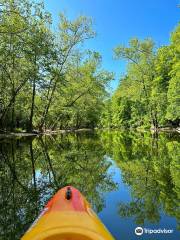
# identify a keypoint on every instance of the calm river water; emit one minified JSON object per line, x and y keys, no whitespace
{"x":131,"y":180}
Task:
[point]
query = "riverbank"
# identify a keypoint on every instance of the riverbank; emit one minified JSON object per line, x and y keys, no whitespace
{"x":13,"y":135}
{"x":61,"y":131}
{"x":166,"y":129}
{"x":49,"y":132}
{"x":36,"y":133}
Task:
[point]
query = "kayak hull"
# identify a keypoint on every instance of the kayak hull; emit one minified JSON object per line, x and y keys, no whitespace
{"x":67,"y":219}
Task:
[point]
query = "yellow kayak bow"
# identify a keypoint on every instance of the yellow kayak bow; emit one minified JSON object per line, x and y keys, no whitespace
{"x":67,"y":216}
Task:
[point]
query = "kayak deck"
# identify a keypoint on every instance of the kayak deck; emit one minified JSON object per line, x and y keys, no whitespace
{"x":67,"y":216}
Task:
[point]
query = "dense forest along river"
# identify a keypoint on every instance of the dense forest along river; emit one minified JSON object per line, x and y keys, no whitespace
{"x":131,"y":180}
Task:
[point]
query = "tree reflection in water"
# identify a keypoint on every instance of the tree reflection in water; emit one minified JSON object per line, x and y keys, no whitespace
{"x":150,"y":165}
{"x":33,"y":169}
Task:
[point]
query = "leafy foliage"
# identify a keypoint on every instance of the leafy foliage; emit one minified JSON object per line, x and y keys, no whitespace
{"x":148,"y":95}
{"x":47,"y":79}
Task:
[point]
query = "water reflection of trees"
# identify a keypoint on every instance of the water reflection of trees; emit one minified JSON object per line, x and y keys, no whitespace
{"x":150,"y":166}
{"x":32,"y":170}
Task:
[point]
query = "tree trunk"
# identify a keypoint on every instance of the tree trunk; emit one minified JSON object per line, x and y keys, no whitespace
{"x":12,"y":114}
{"x":32,"y":107}
{"x":33,"y":98}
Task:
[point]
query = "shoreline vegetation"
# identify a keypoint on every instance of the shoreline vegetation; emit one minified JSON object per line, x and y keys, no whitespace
{"x":49,"y":81}
{"x":148,"y":96}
